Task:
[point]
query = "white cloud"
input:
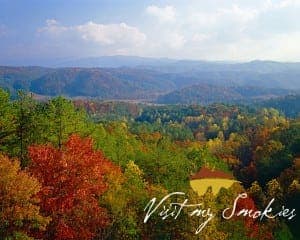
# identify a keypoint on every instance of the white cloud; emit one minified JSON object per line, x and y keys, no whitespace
{"x":164,"y":14}
{"x":243,"y":31}
{"x":264,"y":29}
{"x":238,"y":14}
{"x":89,"y":39}
{"x":51,"y":22}
{"x":287,"y":3}
{"x":225,"y":23}
{"x":102,"y":34}
{"x":111,"y":34}
{"x":268,"y":5}
{"x":53,"y":27}
{"x":176,"y":40}
{"x":200,"y":37}
{"x":280,"y":46}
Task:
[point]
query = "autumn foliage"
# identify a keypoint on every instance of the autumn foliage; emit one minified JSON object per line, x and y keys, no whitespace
{"x":72,"y":179}
{"x":19,"y":213}
{"x":254,"y":228}
{"x":65,"y":189}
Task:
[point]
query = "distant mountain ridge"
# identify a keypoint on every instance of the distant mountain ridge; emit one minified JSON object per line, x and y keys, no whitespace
{"x":101,"y":83}
{"x":206,"y":94}
{"x":114,"y":62}
{"x":175,"y":65}
{"x":150,"y":78}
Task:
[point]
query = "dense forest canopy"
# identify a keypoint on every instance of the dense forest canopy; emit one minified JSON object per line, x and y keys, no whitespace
{"x":73,"y":159}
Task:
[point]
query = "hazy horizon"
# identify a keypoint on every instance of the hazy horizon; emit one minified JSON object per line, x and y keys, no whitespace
{"x":67,"y":62}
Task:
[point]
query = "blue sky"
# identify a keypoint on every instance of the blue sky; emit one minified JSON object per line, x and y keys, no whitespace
{"x":37,"y":31}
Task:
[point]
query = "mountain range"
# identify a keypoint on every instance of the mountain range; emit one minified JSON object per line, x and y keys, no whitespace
{"x":157,"y":80}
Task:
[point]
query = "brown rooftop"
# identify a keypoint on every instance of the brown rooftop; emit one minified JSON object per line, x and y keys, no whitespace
{"x":205,"y":172}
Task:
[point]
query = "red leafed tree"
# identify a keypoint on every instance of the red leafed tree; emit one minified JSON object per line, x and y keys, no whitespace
{"x":254,"y":230}
{"x":72,"y":179}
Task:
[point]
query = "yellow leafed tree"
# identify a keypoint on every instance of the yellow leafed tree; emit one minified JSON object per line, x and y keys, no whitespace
{"x":19,"y":212}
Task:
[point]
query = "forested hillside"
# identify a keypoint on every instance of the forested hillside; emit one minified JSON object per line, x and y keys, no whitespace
{"x":174,"y":81}
{"x":289,"y":105}
{"x":73,"y":170}
{"x":207,"y":94}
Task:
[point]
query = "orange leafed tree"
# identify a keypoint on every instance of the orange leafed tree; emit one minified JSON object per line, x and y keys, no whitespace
{"x":19,"y":210}
{"x":72,"y":179}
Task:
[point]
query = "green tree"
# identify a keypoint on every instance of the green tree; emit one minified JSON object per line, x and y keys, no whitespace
{"x":26,"y":129}
{"x":58,"y":118}
{"x":7,"y":122}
